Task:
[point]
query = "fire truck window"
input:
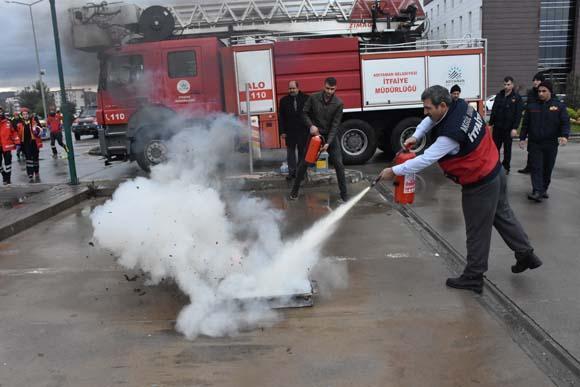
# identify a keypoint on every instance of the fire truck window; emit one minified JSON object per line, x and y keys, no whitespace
{"x":182,"y":64}
{"x":124,"y":70}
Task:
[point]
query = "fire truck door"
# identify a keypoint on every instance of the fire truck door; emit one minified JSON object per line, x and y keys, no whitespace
{"x":255,"y":70}
{"x":183,"y":78}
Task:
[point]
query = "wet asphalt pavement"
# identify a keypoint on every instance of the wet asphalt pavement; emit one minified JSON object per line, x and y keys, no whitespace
{"x":70,"y":317}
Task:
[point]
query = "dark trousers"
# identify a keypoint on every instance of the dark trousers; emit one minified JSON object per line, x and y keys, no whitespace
{"x":542,"y":160}
{"x":57,"y":137}
{"x":503,"y":137}
{"x":485,"y":206}
{"x":7,"y":167}
{"x":31,"y":152}
{"x":293,"y":146}
{"x":335,"y":157}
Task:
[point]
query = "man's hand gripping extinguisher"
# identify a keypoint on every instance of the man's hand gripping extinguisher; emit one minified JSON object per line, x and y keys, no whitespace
{"x":313,"y":150}
{"x":404,"y":185}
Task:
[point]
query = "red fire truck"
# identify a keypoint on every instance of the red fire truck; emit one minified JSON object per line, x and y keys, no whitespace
{"x":152,"y":71}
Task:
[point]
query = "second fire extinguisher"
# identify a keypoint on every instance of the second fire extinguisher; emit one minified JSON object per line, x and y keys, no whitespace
{"x":313,"y":150}
{"x":404,"y":185}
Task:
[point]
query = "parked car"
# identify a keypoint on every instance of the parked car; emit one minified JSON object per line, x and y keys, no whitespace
{"x":86,"y":123}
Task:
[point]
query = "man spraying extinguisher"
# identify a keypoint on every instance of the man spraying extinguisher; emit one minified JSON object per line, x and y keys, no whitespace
{"x":465,"y":151}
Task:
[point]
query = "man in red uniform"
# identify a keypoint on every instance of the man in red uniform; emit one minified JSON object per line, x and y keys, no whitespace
{"x":466,"y":152}
{"x":8,"y":141}
{"x":54,"y":123}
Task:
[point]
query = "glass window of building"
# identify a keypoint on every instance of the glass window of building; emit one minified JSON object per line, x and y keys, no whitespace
{"x":557,"y":21}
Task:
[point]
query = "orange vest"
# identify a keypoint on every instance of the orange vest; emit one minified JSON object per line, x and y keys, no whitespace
{"x":8,"y":136}
{"x":31,"y":127}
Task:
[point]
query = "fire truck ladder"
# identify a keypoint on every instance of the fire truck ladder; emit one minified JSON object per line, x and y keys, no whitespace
{"x":320,"y":17}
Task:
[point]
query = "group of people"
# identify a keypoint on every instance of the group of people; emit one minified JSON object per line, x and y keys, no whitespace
{"x":466,"y":149}
{"x":23,"y":134}
{"x":545,"y":126}
{"x":302,"y":116}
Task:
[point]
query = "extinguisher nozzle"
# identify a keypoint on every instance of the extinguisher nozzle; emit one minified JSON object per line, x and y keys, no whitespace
{"x":376,"y":181}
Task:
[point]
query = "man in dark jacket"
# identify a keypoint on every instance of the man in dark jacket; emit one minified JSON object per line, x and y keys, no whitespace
{"x":532,"y":97}
{"x":322,"y":115}
{"x":505,"y":119}
{"x":546,"y":125}
{"x":292,"y":127}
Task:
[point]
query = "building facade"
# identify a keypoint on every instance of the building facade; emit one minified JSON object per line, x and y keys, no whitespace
{"x":523,"y":36}
{"x":80,"y":96}
{"x":453,"y":19}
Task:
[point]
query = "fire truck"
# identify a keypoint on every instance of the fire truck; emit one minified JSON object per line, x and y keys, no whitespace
{"x":213,"y":56}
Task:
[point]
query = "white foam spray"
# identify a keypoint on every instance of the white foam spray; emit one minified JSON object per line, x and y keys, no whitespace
{"x":179,"y":224}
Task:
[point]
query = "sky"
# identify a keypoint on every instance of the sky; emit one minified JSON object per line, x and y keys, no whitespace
{"x":17,"y":59}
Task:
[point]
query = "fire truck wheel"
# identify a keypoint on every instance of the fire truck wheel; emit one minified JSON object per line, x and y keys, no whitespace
{"x":153,"y":152}
{"x":403,"y":131}
{"x":358,"y":141}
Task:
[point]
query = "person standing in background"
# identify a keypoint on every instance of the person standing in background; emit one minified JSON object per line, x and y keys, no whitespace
{"x":506,"y":115}
{"x":292,"y":127}
{"x":29,"y":134}
{"x":546,"y":125}
{"x":532,"y":97}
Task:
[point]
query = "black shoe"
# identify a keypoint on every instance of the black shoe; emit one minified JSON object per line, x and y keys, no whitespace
{"x":545,"y":195}
{"x":290,"y":177}
{"x":344,"y":197}
{"x":535,"y":196}
{"x":31,"y":179}
{"x":473,"y":283}
{"x":526,"y":261}
{"x":293,"y":196}
{"x":525,"y":170}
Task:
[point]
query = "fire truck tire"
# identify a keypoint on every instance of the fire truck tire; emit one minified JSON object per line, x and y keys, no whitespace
{"x":404,"y":129}
{"x":358,"y":141}
{"x":384,"y":144}
{"x":150,"y":151}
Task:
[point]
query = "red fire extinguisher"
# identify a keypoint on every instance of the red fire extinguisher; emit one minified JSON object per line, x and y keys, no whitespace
{"x":313,"y":149}
{"x":404,"y":185}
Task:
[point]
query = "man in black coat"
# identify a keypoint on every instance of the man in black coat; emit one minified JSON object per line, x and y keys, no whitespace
{"x":546,"y":125}
{"x":532,"y":97}
{"x":292,"y":127}
{"x":505,"y":119}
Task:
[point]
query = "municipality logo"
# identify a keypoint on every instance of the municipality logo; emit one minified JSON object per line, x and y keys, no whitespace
{"x":454,"y":73}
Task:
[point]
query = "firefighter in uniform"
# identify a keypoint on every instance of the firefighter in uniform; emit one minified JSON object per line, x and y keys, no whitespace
{"x":29,"y":134}
{"x":531,"y":98}
{"x":54,"y":124}
{"x":8,"y":141}
{"x":546,"y":125}
{"x":467,"y":154}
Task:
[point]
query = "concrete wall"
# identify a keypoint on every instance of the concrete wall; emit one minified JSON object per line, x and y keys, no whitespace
{"x":512,"y":30}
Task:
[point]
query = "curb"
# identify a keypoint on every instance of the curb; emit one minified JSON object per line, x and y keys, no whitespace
{"x":548,"y":354}
{"x":69,"y":199}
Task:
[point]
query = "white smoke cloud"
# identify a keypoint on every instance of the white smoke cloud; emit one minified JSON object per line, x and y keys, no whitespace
{"x":224,"y":251}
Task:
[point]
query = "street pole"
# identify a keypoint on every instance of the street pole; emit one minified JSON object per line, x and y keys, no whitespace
{"x":38,"y":63}
{"x":36,"y":51}
{"x":67,"y":118}
{"x":251,"y":138}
